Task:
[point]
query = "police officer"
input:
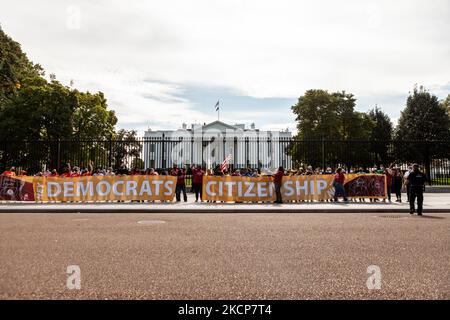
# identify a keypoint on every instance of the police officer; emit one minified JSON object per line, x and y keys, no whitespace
{"x":416,"y":182}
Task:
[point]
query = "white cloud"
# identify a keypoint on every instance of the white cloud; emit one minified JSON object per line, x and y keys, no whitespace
{"x":374,"y":49}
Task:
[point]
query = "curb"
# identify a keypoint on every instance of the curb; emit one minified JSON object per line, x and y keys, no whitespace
{"x":212,"y":210}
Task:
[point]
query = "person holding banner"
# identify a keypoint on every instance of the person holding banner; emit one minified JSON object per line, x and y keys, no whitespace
{"x":181,"y":185}
{"x":197,"y":181}
{"x":277,"y":180}
{"x":338,"y":184}
{"x":67,"y":171}
{"x":10,"y":173}
{"x":174,"y":172}
{"x":397,"y":183}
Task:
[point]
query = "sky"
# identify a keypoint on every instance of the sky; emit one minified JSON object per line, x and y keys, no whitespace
{"x":162,"y":63}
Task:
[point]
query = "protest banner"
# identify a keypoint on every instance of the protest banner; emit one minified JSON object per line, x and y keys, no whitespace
{"x":215,"y":188}
{"x":103,"y":188}
{"x":294,"y":188}
{"x":16,"y":189}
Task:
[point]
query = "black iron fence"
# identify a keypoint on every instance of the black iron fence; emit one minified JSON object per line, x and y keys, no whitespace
{"x":261,"y":153}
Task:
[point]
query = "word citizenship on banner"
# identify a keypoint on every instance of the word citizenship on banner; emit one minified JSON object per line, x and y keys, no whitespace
{"x":293,"y":188}
{"x":101,"y":188}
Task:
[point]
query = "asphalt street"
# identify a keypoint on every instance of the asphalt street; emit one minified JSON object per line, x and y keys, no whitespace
{"x":224,"y":256}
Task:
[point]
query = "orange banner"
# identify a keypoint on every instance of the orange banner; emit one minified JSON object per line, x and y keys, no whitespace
{"x":103,"y":188}
{"x":294,"y":188}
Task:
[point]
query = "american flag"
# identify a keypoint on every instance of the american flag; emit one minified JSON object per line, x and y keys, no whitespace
{"x":225,"y":162}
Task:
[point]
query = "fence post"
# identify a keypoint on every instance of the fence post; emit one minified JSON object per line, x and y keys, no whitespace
{"x":110,"y":151}
{"x":224,"y":147}
{"x":246,"y":152}
{"x":5,"y":153}
{"x":192,"y":151}
{"x":58,"y":157}
{"x":257,"y":152}
{"x":323,"y":153}
{"x":428,"y":162}
{"x":163,"y":162}
{"x":235,"y":164}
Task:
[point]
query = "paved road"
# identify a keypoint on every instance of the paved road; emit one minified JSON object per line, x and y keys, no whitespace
{"x":224,"y":256}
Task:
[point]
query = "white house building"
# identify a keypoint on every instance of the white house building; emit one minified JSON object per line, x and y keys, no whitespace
{"x":209,"y":144}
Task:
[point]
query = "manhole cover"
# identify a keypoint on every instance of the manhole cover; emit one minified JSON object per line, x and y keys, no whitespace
{"x":392,"y":217}
{"x":151,"y":222}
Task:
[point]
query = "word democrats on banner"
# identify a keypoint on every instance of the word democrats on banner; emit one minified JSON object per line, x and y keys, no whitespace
{"x":97,"y":188}
{"x":293,"y":188}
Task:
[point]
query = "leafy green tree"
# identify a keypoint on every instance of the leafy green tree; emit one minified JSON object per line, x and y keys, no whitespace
{"x":32,"y":108}
{"x":382,"y":132}
{"x":446,"y":104}
{"x":323,"y":118}
{"x":316,"y":116}
{"x":16,"y":70}
{"x":126,"y":148}
{"x":91,"y":118}
{"x":426,"y":124}
{"x":423,"y":118}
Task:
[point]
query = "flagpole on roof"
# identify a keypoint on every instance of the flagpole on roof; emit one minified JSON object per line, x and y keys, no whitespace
{"x":217,"y":106}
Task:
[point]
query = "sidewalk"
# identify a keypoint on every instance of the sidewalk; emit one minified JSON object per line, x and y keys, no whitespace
{"x":434,"y":203}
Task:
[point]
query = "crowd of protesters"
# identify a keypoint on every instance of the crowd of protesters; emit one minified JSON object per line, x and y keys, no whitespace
{"x":396,"y":178}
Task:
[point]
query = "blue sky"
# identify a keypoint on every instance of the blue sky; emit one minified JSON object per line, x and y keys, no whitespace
{"x":162,"y":63}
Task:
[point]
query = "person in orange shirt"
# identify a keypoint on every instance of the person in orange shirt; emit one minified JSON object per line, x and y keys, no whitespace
{"x":10,"y":173}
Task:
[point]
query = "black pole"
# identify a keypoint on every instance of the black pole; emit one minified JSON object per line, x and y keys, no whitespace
{"x":58,"y":156}
{"x":110,"y":151}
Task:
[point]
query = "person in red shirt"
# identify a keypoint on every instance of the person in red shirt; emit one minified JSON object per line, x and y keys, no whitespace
{"x":338,"y":184}
{"x":135,"y":172}
{"x":10,"y":173}
{"x":76,"y":172}
{"x":197,"y":182}
{"x":67,"y":172}
{"x":236,"y":173}
{"x":277,"y":180}
{"x":181,"y":185}
{"x":54,"y":173}
{"x":87,"y":172}
{"x":174,"y":171}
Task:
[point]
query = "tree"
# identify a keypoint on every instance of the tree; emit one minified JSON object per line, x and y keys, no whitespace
{"x":446,"y":104}
{"x":425,"y":123}
{"x":423,"y":118}
{"x":32,"y":108}
{"x":15,"y":68}
{"x":126,"y":147}
{"x":91,"y":118}
{"x":316,"y":116}
{"x":382,"y":132}
{"x":324,"y":117}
